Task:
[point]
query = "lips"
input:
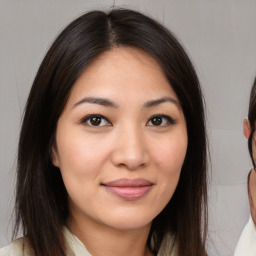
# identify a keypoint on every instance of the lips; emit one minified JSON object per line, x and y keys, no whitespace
{"x":129,"y":189}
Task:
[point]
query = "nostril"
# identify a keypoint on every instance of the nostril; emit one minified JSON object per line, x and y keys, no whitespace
{"x":130,"y":161}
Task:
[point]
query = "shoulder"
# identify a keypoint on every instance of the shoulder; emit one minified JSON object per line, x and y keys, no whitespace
{"x":247,"y":241}
{"x":18,"y":247}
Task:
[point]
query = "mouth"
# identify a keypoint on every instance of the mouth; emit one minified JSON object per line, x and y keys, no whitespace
{"x":128,"y":189}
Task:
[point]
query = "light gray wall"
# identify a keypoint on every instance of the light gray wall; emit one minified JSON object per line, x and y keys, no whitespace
{"x":220,"y":37}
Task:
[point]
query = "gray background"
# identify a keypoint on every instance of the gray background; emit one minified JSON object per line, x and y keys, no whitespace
{"x":220,"y":37}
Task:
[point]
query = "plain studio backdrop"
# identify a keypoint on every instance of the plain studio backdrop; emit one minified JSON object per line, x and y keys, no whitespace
{"x":220,"y":38}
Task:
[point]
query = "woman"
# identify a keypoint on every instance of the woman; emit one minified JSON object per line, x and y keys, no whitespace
{"x":112,"y":151}
{"x":247,"y":242}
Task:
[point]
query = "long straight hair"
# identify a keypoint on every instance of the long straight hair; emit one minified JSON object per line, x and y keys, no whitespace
{"x":41,"y":197}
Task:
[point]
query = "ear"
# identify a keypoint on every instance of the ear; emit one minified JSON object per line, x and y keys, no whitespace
{"x":247,"y":128}
{"x":55,"y":156}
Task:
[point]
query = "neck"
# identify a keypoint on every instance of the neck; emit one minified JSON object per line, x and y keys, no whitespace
{"x":100,"y":239}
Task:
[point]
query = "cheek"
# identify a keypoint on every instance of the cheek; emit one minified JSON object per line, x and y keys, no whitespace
{"x":253,"y":150}
{"x":169,"y":159}
{"x":170,"y":154}
{"x":82,"y":160}
{"x":79,"y":152}
{"x":80,"y":163}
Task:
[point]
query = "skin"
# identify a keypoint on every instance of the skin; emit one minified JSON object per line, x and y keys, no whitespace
{"x":129,"y":143}
{"x":252,"y":175}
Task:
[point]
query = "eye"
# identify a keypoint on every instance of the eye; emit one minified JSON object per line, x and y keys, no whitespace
{"x":160,"y":120}
{"x":95,"y":120}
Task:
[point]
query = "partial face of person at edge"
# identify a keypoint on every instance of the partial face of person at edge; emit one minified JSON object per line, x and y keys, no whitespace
{"x":247,"y":129}
{"x":120,"y":141}
{"x":252,"y":181}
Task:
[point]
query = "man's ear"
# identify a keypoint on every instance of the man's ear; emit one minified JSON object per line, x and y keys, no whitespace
{"x":247,"y":128}
{"x":55,"y":156}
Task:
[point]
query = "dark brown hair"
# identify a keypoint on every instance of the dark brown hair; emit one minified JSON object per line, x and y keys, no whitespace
{"x":41,"y":198}
{"x":252,"y":118}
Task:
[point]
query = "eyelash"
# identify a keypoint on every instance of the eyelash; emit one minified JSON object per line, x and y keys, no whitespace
{"x":169,"y":120}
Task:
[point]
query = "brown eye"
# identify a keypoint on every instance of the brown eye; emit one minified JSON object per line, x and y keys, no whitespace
{"x":95,"y":120}
{"x":156,"y":120}
{"x":160,"y":120}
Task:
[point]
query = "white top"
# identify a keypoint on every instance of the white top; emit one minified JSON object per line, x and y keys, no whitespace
{"x":247,"y":242}
{"x":20,"y":247}
{"x":246,"y":245}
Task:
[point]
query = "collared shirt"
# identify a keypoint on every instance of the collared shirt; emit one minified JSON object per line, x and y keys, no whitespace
{"x":20,"y":247}
{"x":247,"y":242}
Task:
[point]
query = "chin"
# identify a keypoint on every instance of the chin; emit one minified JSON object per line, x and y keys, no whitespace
{"x":129,"y":221}
{"x":130,"y":225}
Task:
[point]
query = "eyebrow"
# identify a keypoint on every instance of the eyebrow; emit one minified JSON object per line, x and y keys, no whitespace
{"x":99,"y":101}
{"x":109,"y":103}
{"x":156,"y":102}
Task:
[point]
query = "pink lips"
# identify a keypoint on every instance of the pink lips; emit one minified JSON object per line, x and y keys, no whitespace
{"x":129,"y":189}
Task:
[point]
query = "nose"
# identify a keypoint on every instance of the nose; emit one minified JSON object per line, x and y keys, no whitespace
{"x":130,"y":149}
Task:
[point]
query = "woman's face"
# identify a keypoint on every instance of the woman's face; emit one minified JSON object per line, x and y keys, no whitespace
{"x":120,"y":141}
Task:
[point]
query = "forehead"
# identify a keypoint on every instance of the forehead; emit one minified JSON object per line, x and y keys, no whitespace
{"x":123,"y":72}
